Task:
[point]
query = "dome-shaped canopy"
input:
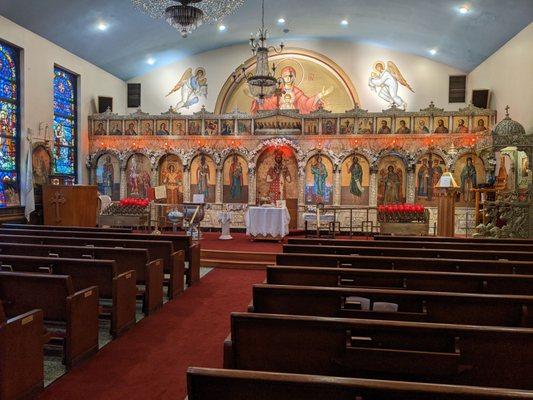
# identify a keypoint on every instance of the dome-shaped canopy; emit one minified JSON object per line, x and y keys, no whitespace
{"x":508,"y":126}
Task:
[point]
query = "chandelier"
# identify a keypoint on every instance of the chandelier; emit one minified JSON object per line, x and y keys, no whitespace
{"x":187,"y":15}
{"x":262,"y":83}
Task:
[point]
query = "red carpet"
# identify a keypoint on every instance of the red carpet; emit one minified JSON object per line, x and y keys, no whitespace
{"x":150,"y":361}
{"x":240,"y":242}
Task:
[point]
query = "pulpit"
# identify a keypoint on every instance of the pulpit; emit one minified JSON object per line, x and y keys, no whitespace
{"x":70,"y":205}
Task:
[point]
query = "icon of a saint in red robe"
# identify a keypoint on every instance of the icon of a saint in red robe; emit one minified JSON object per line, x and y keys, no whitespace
{"x":292,"y":96}
{"x":277,"y":176}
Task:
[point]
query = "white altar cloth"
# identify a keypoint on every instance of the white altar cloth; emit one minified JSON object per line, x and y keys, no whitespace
{"x":265,"y":221}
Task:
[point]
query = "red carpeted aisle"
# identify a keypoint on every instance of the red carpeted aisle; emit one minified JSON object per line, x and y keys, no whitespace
{"x":150,"y":361}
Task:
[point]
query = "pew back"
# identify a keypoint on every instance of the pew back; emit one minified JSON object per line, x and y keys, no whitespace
{"x":453,"y":239}
{"x":67,"y":228}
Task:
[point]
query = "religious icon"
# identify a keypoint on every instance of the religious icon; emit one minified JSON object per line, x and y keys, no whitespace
{"x":391,"y":181}
{"x":178,"y":127}
{"x":392,"y":184}
{"x":347,"y":126}
{"x":108,"y":173}
{"x":366,"y":126}
{"x":195,"y":127}
{"x":190,"y":88}
{"x":115,"y":127}
{"x":211,"y":127}
{"x":403,"y":127}
{"x":148,"y":127}
{"x":329,"y":126}
{"x":384,"y":126}
{"x":311,"y":126}
{"x":100,"y":129}
{"x":162,"y":128}
{"x":138,"y":176}
{"x":386,"y":80}
{"x":442,"y":125}
{"x":320,"y":173}
{"x":428,"y":173}
{"x":244,"y":126}
{"x":460,"y":124}
{"x":356,"y":177}
{"x":41,"y":166}
{"x":202,"y":178}
{"x":421,"y":125}
{"x":480,"y":124}
{"x":236,"y":178}
{"x":171,"y":176}
{"x":227,"y":127}
{"x":278,"y":176}
{"x":131,"y":129}
{"x":293,"y":97}
{"x":468,"y":179}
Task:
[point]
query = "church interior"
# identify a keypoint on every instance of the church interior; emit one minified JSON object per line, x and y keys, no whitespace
{"x":337,"y":205}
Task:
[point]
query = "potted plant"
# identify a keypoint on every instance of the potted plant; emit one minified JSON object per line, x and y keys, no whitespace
{"x":403,"y":219}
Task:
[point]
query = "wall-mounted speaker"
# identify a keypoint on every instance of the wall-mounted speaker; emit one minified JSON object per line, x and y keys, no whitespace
{"x":481,"y":98}
{"x":104,"y":103}
{"x":134,"y":95}
{"x":457,"y":89}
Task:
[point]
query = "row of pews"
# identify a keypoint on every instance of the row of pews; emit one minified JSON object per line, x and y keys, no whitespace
{"x":58,"y":283}
{"x":390,"y":318}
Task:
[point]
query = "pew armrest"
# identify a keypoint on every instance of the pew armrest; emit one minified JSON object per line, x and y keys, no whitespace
{"x":82,"y":326}
{"x":228,"y":353}
{"x":21,"y":356}
{"x":155,"y":275}
{"x":194,"y":264}
{"x":124,"y":302}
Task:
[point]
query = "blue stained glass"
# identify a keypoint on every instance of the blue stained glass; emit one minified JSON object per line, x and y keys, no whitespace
{"x":8,"y":119}
{"x":8,"y":72}
{"x":8,"y":154}
{"x":65,"y":138}
{"x":64,"y":160}
{"x":9,"y":195}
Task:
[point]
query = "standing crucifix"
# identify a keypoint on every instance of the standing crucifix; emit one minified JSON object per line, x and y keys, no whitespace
{"x":58,"y":200}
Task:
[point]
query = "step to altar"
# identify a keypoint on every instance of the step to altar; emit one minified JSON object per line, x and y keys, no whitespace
{"x":236,"y":259}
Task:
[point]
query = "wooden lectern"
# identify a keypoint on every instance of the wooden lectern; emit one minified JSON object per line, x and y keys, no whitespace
{"x":446,"y":208}
{"x":68,"y":205}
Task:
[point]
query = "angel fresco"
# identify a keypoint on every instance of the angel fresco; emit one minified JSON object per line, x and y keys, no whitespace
{"x":190,"y":88}
{"x":386,"y":80}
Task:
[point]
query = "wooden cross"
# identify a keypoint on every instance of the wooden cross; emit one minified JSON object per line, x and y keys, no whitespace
{"x":507,"y":111}
{"x":58,"y":200}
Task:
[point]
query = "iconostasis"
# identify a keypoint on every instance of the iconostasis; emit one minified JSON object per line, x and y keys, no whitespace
{"x":311,"y":143}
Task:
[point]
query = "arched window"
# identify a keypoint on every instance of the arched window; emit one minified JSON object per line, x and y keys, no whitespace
{"x":9,"y":126}
{"x":65,"y":124}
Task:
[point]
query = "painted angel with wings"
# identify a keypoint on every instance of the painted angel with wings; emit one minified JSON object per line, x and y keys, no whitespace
{"x":190,"y":87}
{"x":386,"y":80}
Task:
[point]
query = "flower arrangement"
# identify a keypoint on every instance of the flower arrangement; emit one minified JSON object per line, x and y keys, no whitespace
{"x":127,"y":206}
{"x":404,"y":213}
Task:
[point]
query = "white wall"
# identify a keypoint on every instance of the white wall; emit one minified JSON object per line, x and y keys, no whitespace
{"x":508,"y":73}
{"x":428,"y":78}
{"x":38,"y":57}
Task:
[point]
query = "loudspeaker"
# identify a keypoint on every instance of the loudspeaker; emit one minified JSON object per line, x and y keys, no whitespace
{"x":104,"y":103}
{"x":457,"y":89}
{"x":480,"y":98}
{"x":134,"y":95}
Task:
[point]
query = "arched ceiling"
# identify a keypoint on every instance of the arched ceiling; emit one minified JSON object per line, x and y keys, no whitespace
{"x":412,"y":26}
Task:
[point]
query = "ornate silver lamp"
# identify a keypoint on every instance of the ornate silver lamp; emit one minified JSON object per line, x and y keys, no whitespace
{"x":188,"y":15}
{"x":262,"y":83}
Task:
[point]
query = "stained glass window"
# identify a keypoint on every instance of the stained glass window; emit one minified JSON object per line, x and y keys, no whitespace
{"x":9,"y":125}
{"x":65,"y":123}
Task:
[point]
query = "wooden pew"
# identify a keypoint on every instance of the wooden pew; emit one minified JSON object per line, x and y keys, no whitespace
{"x":407,"y":351}
{"x":406,"y":263}
{"x":21,"y":355}
{"x":439,"y":307}
{"x":453,"y":239}
{"x":120,"y":288}
{"x":225,"y":384}
{"x":67,"y":228}
{"x":410,"y":252}
{"x":398,"y":279}
{"x":180,"y":242}
{"x":148,"y":273}
{"x":419,"y":244}
{"x":74,"y":313}
{"x":173,"y":261}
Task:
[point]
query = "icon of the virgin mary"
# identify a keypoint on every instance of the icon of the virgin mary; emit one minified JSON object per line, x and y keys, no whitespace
{"x":292,"y":94}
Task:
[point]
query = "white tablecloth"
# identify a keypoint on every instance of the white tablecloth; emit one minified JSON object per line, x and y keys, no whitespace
{"x":266,"y":221}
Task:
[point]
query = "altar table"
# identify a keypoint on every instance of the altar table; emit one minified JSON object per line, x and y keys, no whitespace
{"x":267,"y":222}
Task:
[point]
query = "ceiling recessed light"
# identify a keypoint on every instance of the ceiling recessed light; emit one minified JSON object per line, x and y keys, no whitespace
{"x":433,"y":52}
{"x":281,"y":21}
{"x":463,"y":10}
{"x":222,"y":28}
{"x":150,"y":61}
{"x":344,"y":22}
{"x":102,"y":26}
